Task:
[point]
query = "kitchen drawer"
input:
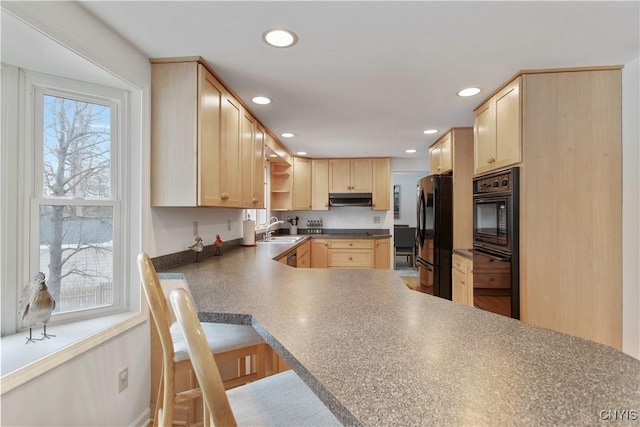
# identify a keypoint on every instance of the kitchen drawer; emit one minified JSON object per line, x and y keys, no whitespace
{"x":350,"y":258}
{"x":460,"y":264}
{"x":351,"y":244}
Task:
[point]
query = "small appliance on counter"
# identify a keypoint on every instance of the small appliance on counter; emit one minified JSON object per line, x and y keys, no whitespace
{"x":248,"y":232}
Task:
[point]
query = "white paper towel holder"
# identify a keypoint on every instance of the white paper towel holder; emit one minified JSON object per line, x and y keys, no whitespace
{"x":248,"y":233}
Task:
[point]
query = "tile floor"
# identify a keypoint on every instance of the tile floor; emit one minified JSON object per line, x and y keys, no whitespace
{"x":404,"y":268}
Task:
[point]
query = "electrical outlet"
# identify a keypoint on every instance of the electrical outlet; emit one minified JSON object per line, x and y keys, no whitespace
{"x":123,"y":379}
{"x":228,"y":225}
{"x":376,"y":220}
{"x":195,"y":228}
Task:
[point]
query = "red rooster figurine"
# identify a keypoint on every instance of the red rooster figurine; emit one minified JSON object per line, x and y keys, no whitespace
{"x":218,"y":246}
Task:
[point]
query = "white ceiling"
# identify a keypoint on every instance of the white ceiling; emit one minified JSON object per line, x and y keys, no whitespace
{"x":366,"y":78}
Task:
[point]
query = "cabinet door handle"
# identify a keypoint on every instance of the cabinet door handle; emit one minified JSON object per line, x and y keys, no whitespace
{"x":255,"y":200}
{"x":350,"y":259}
{"x":224,"y":196}
{"x":462,"y":281}
{"x":350,"y":244}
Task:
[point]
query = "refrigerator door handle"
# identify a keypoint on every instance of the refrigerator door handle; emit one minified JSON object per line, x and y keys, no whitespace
{"x":420,"y":232}
{"x":425,"y":264}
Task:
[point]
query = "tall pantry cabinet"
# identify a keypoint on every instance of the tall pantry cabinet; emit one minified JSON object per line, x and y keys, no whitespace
{"x":563,"y":129}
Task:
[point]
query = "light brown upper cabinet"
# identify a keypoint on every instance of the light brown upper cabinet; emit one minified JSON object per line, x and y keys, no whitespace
{"x":281,"y":186}
{"x":319,"y":184}
{"x":441,"y":155}
{"x":301,"y":184}
{"x":350,"y":176}
{"x":460,"y":148}
{"x":497,"y":125}
{"x":281,"y":174}
{"x":381,"y":194}
{"x":203,"y":144}
{"x":257,"y":200}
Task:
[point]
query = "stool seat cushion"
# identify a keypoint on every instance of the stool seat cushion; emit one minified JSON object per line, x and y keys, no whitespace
{"x":279,"y":400}
{"x":220,"y":336}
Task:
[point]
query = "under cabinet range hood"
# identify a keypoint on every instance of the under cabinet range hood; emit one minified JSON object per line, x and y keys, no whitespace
{"x":349,"y":199}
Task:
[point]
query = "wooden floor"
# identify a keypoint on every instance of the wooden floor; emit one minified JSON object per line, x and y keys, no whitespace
{"x":495,"y":304}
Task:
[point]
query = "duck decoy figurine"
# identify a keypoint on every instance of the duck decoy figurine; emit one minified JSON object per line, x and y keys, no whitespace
{"x":36,"y":305}
{"x":218,"y":246}
{"x":197,"y":247}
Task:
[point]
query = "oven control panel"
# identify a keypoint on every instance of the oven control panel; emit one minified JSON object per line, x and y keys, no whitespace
{"x":494,"y":183}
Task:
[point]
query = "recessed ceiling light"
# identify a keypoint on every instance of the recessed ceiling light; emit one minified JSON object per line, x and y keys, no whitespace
{"x":470,"y":91}
{"x":301,"y":153}
{"x":430,"y":131}
{"x":287,"y":135}
{"x":410,"y":151}
{"x":273,"y":155}
{"x":280,"y":37}
{"x":262,"y":100}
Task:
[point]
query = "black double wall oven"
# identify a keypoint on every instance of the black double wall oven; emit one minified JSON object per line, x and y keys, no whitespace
{"x":496,"y":276}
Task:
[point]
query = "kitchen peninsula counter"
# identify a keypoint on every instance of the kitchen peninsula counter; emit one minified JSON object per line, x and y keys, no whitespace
{"x":377,"y":353}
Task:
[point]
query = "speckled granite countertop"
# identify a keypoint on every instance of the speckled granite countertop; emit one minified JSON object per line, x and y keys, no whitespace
{"x":378,"y":353}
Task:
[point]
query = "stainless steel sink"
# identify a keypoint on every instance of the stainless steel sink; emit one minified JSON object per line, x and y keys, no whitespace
{"x":282,"y":239}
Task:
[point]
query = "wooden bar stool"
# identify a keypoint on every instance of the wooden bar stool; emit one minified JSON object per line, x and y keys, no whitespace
{"x":225,"y":342}
{"x":278,"y":400}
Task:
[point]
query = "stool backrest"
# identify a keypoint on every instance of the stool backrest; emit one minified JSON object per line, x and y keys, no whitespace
{"x":204,"y":366}
{"x":157,"y":305}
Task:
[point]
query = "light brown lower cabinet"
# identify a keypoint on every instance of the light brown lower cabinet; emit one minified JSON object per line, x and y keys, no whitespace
{"x":319,"y":253}
{"x":343,"y":253}
{"x":303,"y":255}
{"x":462,"y":280}
{"x":383,"y":254}
{"x":350,"y":253}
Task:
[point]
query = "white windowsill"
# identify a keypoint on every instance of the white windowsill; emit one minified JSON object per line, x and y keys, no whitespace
{"x":22,"y":362}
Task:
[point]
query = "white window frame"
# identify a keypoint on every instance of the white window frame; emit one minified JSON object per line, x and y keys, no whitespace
{"x":33,"y":87}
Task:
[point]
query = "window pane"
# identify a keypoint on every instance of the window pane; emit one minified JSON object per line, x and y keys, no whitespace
{"x":76,"y":255}
{"x":76,"y":154}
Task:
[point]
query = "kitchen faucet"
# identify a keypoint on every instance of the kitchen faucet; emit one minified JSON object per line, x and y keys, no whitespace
{"x":267,"y":235}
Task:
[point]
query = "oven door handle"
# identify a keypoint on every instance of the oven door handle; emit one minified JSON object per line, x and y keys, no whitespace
{"x":501,"y":258}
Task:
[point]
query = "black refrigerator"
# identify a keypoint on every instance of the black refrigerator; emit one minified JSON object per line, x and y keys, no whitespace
{"x":434,"y":234}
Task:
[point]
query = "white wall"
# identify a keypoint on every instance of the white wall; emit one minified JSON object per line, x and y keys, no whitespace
{"x":420,"y":164}
{"x":84,"y":391}
{"x":408,"y":182}
{"x":172,"y":228}
{"x":631,"y":208}
{"x":349,"y":217}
